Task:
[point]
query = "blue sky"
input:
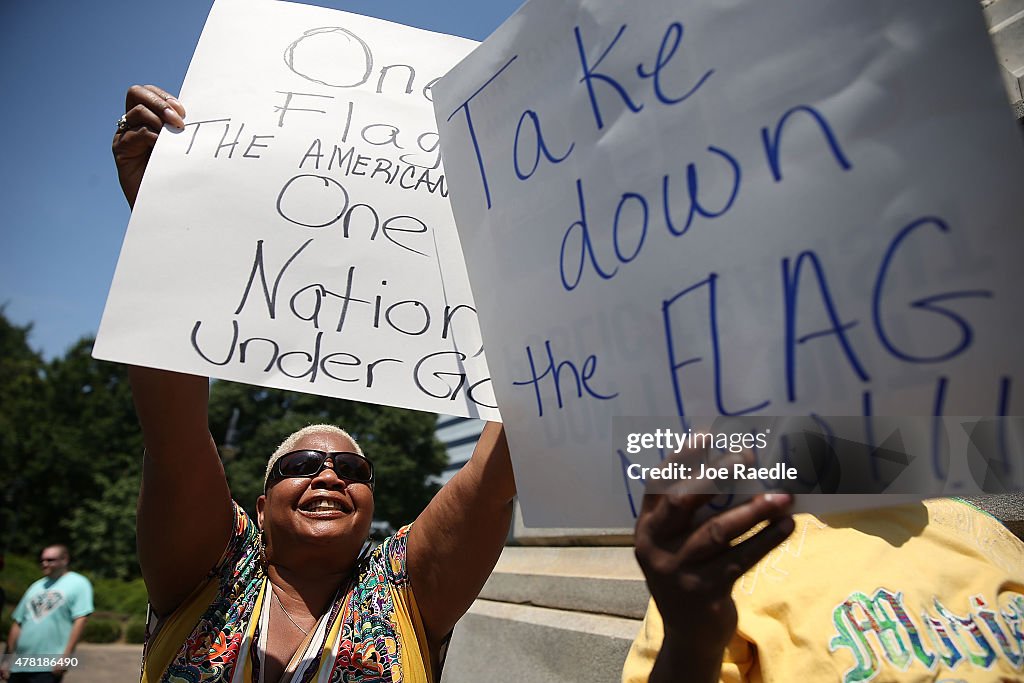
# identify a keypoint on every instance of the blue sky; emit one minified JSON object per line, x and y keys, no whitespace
{"x":64,"y":69}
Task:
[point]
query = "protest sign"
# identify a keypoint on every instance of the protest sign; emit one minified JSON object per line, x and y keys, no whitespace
{"x":730,"y":209}
{"x":291,"y":235}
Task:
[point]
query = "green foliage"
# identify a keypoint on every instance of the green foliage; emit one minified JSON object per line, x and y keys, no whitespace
{"x":122,"y":597}
{"x":98,"y":436}
{"x":24,"y":405}
{"x":102,"y":529}
{"x":19,"y":573}
{"x":101,"y":630}
{"x":135,"y":631}
{"x":76,"y":458}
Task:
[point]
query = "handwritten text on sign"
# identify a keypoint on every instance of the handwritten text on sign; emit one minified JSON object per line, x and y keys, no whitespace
{"x":297,"y":233}
{"x":754,"y":208}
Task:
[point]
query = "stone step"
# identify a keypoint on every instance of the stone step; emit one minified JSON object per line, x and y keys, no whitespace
{"x":594,"y":580}
{"x":1005,"y":20}
{"x":504,"y":643}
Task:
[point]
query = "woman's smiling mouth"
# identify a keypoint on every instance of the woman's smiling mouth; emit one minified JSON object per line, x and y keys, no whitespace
{"x":323,"y":506}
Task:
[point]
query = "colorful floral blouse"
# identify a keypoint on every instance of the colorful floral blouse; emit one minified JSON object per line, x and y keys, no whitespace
{"x":372,"y":632}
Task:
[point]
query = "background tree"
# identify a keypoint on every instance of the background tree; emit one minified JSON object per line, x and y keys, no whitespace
{"x":98,"y":437}
{"x":24,"y":406}
{"x":101,"y":528}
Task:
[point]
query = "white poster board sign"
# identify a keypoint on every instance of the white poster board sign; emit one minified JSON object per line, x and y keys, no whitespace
{"x":718,"y":209}
{"x":291,"y":235}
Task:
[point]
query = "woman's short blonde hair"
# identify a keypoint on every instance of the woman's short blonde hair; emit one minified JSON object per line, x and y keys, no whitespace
{"x":288,"y":445}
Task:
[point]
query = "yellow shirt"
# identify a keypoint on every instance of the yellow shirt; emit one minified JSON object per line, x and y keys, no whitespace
{"x":371,"y":633}
{"x":931,"y":592}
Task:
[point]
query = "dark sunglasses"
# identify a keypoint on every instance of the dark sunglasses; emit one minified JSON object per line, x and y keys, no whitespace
{"x":309,"y":463}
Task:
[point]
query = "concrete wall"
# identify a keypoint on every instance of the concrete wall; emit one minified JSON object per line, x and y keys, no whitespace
{"x":548,"y":614}
{"x":1006,"y":25}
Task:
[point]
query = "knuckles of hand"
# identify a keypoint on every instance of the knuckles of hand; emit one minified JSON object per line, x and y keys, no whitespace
{"x":717,"y":533}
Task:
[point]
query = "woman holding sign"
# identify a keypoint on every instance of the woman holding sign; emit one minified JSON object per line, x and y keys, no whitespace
{"x":292,"y":595}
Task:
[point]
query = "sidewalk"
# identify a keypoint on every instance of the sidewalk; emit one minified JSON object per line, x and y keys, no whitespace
{"x":112,"y":663}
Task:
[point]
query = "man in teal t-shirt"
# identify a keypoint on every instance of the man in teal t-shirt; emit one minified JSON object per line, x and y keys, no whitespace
{"x":48,"y":621}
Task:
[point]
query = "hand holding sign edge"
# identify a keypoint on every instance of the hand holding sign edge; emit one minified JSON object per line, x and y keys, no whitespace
{"x":147,"y":109}
{"x":691,"y":566}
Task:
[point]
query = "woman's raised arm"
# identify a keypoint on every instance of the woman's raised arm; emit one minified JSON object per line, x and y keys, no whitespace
{"x":185,"y":516}
{"x":457,"y":539}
